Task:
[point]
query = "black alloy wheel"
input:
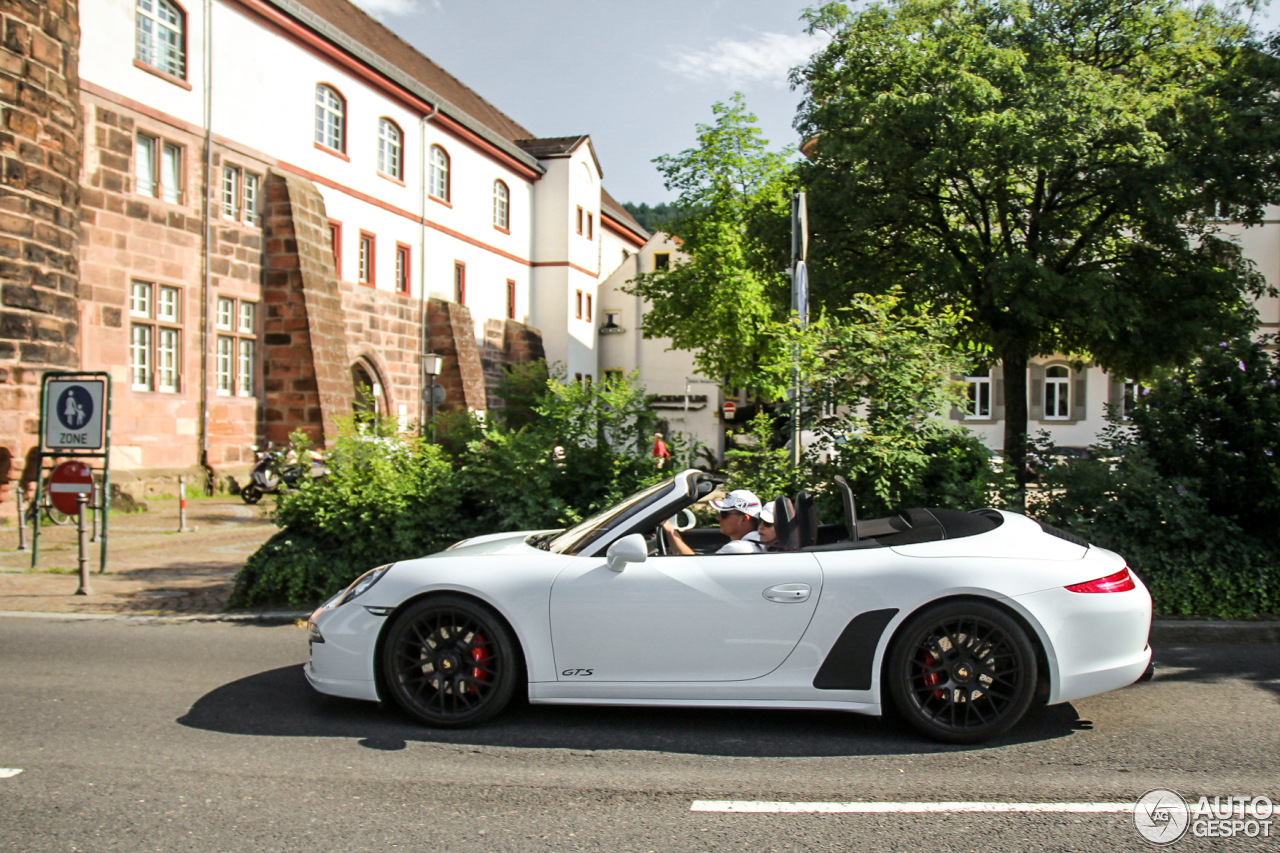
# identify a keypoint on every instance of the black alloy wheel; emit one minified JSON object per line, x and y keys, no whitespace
{"x":962,"y":672}
{"x":449,"y":662}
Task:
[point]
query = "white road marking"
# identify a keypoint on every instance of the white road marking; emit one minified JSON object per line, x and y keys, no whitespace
{"x":749,"y":806}
{"x":9,"y":772}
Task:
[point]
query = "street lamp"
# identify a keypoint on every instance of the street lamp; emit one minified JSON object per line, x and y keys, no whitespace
{"x":431,"y":364}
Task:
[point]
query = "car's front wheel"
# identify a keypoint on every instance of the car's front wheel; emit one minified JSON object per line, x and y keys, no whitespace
{"x":449,"y":662}
{"x":962,"y":671}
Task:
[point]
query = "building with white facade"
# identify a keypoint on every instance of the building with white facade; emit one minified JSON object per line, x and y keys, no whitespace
{"x":280,"y":203}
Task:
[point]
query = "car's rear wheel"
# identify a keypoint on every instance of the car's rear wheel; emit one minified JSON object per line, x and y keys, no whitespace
{"x":450,"y":662}
{"x":962,"y":672}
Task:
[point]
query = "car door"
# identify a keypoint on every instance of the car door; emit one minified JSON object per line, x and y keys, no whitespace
{"x":721,"y":617}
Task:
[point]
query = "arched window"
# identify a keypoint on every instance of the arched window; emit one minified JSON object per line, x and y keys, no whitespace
{"x":390,"y":148}
{"x":501,"y":205}
{"x":1057,"y":393}
{"x":331,"y":118}
{"x":438,"y":182}
{"x":162,"y":36}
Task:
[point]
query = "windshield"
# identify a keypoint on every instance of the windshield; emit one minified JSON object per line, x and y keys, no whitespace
{"x":576,"y":538}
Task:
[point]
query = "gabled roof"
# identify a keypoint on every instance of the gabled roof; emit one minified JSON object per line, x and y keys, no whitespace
{"x":615,"y":211}
{"x":348,"y":19}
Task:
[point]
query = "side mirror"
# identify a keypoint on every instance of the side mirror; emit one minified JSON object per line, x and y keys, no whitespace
{"x":628,"y":549}
{"x":684,"y":520}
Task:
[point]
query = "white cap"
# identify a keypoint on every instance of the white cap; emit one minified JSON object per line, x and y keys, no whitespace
{"x":766,"y":514}
{"x":742,"y":500}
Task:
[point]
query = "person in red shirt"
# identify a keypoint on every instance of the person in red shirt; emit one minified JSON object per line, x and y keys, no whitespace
{"x":660,"y":451}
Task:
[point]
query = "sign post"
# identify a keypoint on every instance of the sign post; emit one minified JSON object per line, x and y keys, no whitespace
{"x":75,"y":424}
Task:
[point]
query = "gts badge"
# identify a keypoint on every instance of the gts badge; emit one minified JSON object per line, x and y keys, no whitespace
{"x":583,"y":672}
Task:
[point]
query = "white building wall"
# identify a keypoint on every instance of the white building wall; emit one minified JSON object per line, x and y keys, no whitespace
{"x":662,"y":370}
{"x":263,"y":99}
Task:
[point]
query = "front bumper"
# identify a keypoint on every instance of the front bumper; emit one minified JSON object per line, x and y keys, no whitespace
{"x":343,"y":662}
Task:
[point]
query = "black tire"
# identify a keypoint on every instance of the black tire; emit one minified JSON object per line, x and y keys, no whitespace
{"x":962,"y":672}
{"x":449,"y":662}
{"x":251,"y":495}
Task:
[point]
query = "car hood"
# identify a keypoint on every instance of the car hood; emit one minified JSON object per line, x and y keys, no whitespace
{"x":493,"y":543}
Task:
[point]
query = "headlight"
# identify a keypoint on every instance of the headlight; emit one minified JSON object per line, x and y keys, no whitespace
{"x":362,"y":584}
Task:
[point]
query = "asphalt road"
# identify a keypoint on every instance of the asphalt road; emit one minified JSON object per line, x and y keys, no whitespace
{"x":140,"y":736}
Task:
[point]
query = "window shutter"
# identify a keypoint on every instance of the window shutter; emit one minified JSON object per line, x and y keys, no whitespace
{"x":1079,"y":387}
{"x":1115,"y":394}
{"x":1036,"y":387}
{"x":997,"y":381}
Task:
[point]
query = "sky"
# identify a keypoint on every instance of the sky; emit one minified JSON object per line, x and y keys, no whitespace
{"x":637,"y":77}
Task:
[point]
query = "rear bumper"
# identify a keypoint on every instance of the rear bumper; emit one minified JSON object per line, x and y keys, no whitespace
{"x":1096,"y":641}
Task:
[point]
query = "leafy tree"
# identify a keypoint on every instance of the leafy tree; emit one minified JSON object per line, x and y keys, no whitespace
{"x":728,"y":300}
{"x":1044,"y":167}
{"x":880,"y":373}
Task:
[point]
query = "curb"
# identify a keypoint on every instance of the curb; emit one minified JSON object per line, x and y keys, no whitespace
{"x":265,"y":617}
{"x":1177,"y":632}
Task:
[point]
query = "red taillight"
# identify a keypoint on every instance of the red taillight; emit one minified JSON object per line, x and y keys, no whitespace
{"x":1121,"y":581}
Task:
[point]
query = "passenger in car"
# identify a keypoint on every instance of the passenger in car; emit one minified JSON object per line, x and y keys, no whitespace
{"x":768,"y":533}
{"x":739,"y":520}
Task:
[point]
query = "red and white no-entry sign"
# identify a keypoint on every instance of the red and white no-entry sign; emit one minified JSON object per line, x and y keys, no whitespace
{"x":68,"y":480}
{"x":730,"y":409}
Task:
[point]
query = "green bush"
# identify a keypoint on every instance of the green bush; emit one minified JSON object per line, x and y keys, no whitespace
{"x":1194,"y":561}
{"x":1216,"y":423}
{"x":385,"y":498}
{"x":391,"y":497}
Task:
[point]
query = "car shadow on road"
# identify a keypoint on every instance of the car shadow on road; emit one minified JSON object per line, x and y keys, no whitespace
{"x":280,"y":703}
{"x":1258,"y":663}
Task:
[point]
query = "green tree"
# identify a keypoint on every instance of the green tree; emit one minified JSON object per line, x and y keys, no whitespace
{"x":879,"y":374}
{"x":1045,"y":168}
{"x":728,"y":300}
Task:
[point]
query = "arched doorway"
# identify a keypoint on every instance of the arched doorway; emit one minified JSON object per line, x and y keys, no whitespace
{"x":369,"y":398}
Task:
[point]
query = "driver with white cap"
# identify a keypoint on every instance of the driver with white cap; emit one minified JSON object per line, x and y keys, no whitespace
{"x":739,"y":520}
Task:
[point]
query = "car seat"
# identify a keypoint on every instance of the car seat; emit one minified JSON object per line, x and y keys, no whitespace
{"x":784,"y":523}
{"x":806,"y":521}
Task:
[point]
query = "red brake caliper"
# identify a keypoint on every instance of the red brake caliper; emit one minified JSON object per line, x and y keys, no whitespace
{"x":480,"y":655}
{"x":932,"y":678}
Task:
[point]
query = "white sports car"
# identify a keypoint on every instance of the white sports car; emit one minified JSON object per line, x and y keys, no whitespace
{"x":957,"y":620}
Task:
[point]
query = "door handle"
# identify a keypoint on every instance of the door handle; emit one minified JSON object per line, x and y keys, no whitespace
{"x":788,"y":593}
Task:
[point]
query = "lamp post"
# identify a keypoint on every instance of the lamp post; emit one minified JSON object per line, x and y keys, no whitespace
{"x":431,"y":364}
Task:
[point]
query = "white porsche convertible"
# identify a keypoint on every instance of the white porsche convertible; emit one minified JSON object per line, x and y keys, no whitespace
{"x":957,"y":620}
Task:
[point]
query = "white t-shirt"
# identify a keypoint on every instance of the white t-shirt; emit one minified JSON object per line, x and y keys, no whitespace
{"x":749,"y":544}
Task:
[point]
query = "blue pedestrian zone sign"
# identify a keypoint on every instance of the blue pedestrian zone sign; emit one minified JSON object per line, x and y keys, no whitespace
{"x":73,"y":417}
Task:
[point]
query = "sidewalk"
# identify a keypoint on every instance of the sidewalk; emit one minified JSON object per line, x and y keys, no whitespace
{"x":151,"y":568}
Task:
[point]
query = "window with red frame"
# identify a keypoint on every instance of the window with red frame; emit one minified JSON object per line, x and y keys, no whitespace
{"x":591,"y":230}
{"x":511,"y":299}
{"x":460,"y":282}
{"x":335,"y":243}
{"x":368,"y":255}
{"x":588,"y":307}
{"x":402,"y":268}
{"x":579,"y":219}
{"x":578,"y":306}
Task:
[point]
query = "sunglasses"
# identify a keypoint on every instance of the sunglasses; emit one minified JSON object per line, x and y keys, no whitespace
{"x":725,"y":513}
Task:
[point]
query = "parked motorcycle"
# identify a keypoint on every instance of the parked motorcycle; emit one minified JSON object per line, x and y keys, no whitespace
{"x":274,"y":469}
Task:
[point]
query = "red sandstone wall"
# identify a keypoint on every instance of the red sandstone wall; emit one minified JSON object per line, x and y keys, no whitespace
{"x":129,"y":236}
{"x":40,"y":140}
